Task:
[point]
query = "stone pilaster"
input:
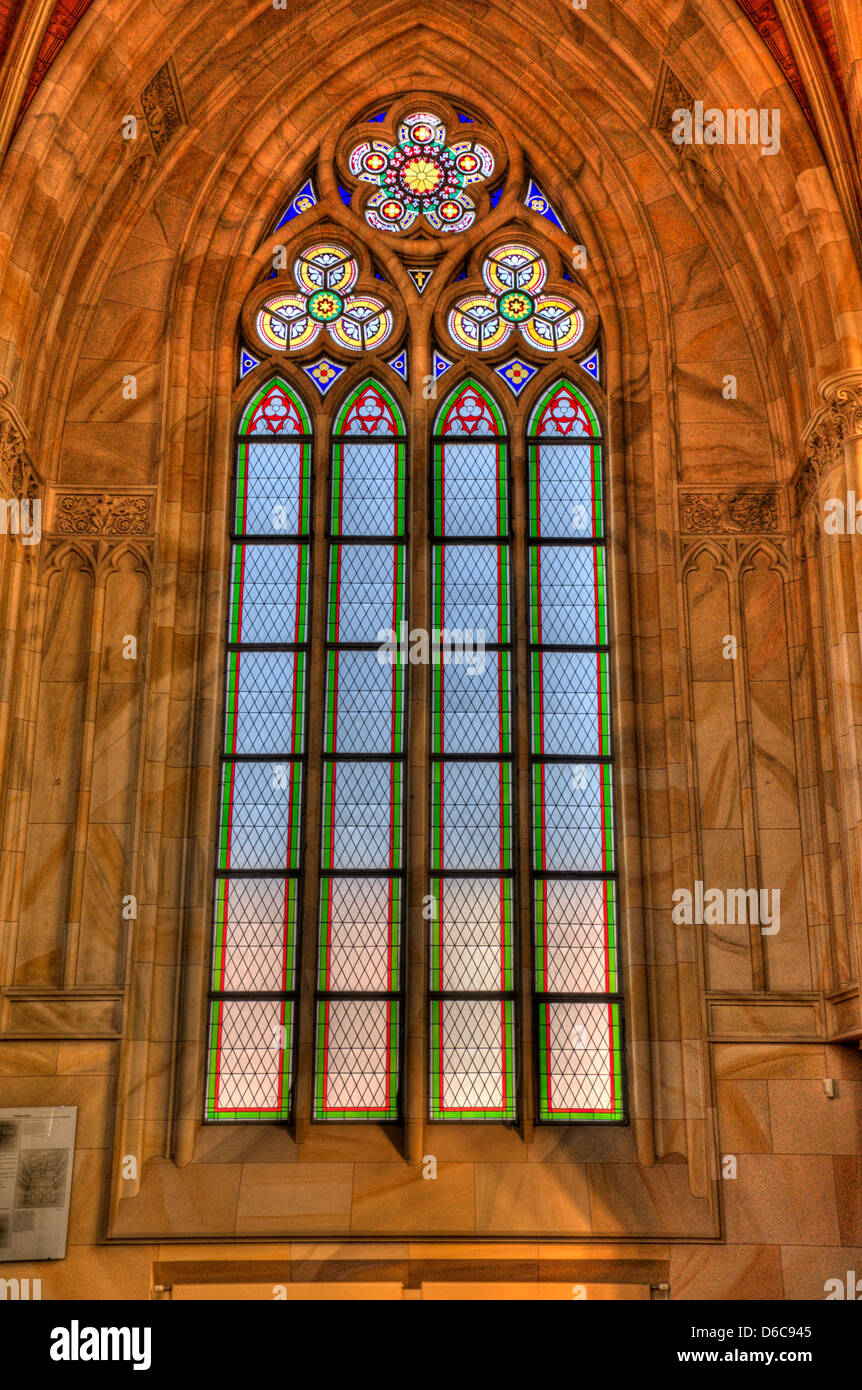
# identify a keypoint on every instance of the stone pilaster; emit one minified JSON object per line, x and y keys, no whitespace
{"x":830,"y":474}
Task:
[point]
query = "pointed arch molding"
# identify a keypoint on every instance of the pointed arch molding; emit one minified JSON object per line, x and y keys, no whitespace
{"x":197,"y":465}
{"x":208,"y":215}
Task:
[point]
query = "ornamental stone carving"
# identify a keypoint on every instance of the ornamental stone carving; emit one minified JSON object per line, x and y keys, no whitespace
{"x":18,"y":477}
{"x":705,"y":513}
{"x":11,"y":447}
{"x":102,"y":513}
{"x":671,"y":96}
{"x":163,"y":107}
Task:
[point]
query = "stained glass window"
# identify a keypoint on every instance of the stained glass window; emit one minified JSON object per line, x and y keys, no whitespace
{"x":360,"y":927}
{"x":324,"y":274}
{"x":254,"y":966}
{"x":472,"y":1001}
{"x":578,"y":1004}
{"x":508,"y":967}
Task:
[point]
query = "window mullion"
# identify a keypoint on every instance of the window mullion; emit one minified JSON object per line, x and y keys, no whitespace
{"x":311,"y":843}
{"x":523,"y":802}
{"x":415,"y":1080}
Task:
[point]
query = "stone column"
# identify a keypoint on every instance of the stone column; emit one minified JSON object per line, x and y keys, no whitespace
{"x":847,"y":24}
{"x":828,"y":492}
{"x":18,"y":62}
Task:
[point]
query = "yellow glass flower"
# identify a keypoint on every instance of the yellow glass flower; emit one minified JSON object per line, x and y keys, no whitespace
{"x":421,"y":176}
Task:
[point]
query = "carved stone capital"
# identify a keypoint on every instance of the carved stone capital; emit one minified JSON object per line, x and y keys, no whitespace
{"x":834,"y":424}
{"x":843,"y":396}
{"x":18,"y":478}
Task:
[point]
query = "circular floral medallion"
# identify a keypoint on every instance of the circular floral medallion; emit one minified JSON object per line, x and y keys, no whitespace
{"x":421,"y":175}
{"x":547,"y":322}
{"x":325,"y":305}
{"x":324,"y":272}
{"x":391,"y":210}
{"x":515,"y":306}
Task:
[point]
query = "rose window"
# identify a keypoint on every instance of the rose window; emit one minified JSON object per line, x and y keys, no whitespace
{"x":421,"y":175}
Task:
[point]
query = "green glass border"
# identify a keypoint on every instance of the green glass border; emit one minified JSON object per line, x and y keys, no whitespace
{"x":399,"y":590}
{"x":298,"y":633}
{"x":280,"y":1112}
{"x":381,"y":1114}
{"x":339,"y":439}
{"x":393,"y":983}
{"x":261,"y":394}
{"x":396,"y":809}
{"x":435,"y":933}
{"x":505,"y":807}
{"x":294,"y":817}
{"x":505,"y":1112}
{"x":504,"y":704}
{"x":611,"y":954}
{"x":289,"y":921}
{"x":548,"y":1116}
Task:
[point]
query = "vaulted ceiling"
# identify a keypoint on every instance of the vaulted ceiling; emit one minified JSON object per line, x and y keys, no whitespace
{"x":765,"y":18}
{"x":64,"y":16}
{"x":763,"y":14}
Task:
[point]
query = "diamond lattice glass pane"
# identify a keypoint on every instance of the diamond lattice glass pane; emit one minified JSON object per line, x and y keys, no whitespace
{"x":254,"y":942}
{"x":260,"y":816}
{"x":471,"y":702}
{"x":362,"y":810}
{"x":272,"y":488}
{"x":565,"y":491}
{"x":250,"y":1057}
{"x":359,"y":935}
{"x":570,"y":710}
{"x":364,"y":703}
{"x":573,"y":817}
{"x":470,"y":491}
{"x":470,"y":591}
{"x":471,"y":934}
{"x":576,"y":936}
{"x":472,"y":1060}
{"x":568,"y":595}
{"x":368,"y":480}
{"x":265,"y":702}
{"x":268,"y":594}
{"x":471,"y":815}
{"x":580,"y":1062}
{"x":356,"y":1060}
{"x":366,"y":592}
